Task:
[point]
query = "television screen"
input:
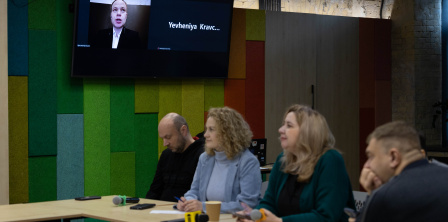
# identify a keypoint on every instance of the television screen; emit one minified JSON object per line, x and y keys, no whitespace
{"x":155,"y":39}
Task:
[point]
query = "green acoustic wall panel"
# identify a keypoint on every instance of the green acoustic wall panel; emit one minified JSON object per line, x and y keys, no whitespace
{"x":70,"y":158}
{"x":255,"y":25}
{"x":121,"y":115}
{"x":146,"y":96}
{"x":42,"y":176}
{"x":122,"y":173}
{"x":170,"y":100}
{"x":42,"y":102}
{"x":69,"y":89}
{"x":213,"y":93}
{"x":146,"y":152}
{"x":96,"y":137}
{"x":42,"y":14}
{"x":193,"y":104}
{"x":18,"y":38}
{"x":18,"y":139}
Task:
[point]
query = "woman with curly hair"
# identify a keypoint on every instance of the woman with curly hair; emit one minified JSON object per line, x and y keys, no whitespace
{"x":308,"y":182}
{"x":227,"y":171}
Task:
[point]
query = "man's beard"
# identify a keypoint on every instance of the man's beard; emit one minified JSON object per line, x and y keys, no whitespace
{"x":180,"y":145}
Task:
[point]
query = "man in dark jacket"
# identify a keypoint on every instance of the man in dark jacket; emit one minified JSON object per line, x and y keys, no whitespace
{"x":402,"y":185}
{"x":177,"y":164}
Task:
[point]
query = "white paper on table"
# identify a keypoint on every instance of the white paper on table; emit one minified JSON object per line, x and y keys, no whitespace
{"x":166,"y":212}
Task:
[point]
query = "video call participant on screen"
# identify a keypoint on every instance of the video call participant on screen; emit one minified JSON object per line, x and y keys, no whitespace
{"x":227,"y":171}
{"x":177,"y":163}
{"x":402,"y":185}
{"x":117,"y":37}
{"x":308,"y":182}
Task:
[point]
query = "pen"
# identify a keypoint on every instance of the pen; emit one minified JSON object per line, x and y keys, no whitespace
{"x":177,"y":198}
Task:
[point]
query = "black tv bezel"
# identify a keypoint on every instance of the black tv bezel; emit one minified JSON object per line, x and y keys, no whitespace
{"x":158,"y":64}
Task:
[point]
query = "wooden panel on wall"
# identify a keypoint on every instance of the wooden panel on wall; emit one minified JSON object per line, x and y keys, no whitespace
{"x":290,"y":69}
{"x":337,"y":94}
{"x":4,"y":134}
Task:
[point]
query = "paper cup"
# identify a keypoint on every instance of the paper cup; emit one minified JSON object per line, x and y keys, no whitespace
{"x":213,"y":209}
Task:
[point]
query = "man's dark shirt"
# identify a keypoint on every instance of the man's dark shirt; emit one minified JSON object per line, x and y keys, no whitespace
{"x":418,"y":193}
{"x":175,"y":172}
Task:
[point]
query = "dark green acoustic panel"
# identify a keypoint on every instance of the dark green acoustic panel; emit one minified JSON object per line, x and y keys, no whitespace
{"x":170,"y":100}
{"x":255,"y":25}
{"x":213,"y":93}
{"x":146,"y":96}
{"x":18,"y":139}
{"x":69,"y":89}
{"x":42,"y":99}
{"x":42,"y":177}
{"x":146,"y":152}
{"x":122,"y":173}
{"x":122,"y":115}
{"x":193,"y":104}
{"x":42,"y":14}
{"x":18,"y":38}
{"x":96,"y":137}
{"x":70,"y":158}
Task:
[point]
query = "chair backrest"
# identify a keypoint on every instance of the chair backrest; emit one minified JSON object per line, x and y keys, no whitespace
{"x":264,"y":186}
{"x":360,"y":199}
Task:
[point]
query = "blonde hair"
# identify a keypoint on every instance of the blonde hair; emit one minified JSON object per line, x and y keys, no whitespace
{"x":232,"y":130}
{"x":314,"y":139}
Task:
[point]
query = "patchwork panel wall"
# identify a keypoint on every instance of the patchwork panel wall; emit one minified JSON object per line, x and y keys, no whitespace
{"x":72,"y":137}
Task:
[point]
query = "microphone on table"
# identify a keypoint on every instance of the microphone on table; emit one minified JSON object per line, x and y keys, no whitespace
{"x":122,"y":200}
{"x":258,"y":215}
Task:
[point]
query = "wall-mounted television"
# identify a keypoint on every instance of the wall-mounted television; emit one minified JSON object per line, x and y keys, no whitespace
{"x":152,"y":38}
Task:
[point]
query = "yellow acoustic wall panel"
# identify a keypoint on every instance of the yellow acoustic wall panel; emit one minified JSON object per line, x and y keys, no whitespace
{"x":170,"y":100}
{"x":193,"y":104}
{"x":18,"y":139}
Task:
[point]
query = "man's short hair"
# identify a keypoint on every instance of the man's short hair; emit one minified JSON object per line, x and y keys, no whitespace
{"x":178,"y":121}
{"x":396,"y":134}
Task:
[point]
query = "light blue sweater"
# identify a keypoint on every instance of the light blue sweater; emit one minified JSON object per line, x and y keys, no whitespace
{"x":242,"y":184}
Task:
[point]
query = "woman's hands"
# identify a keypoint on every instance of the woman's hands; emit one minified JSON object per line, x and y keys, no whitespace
{"x":270,"y":217}
{"x":189,"y":205}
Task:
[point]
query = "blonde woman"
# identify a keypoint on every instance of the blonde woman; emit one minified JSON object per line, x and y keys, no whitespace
{"x":308,"y":181}
{"x":227,"y":171}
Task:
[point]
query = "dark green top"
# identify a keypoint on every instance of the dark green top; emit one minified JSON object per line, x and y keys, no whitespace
{"x":322,"y":199}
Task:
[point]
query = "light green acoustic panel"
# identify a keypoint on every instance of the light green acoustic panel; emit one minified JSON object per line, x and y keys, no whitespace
{"x":170,"y":100}
{"x":18,"y":139}
{"x":193,"y":105}
{"x":96,"y":137}
{"x":122,"y":115}
{"x":42,"y":14}
{"x":69,"y":89}
{"x":42,"y":177}
{"x":255,"y":25}
{"x":146,"y":96}
{"x":213,"y":93}
{"x":122,"y":173}
{"x":146,"y":152}
{"x":42,"y":93}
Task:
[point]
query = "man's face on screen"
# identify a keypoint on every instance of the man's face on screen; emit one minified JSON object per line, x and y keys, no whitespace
{"x":119,"y":14}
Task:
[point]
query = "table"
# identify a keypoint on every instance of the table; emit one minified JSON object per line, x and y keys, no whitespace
{"x":102,"y":209}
